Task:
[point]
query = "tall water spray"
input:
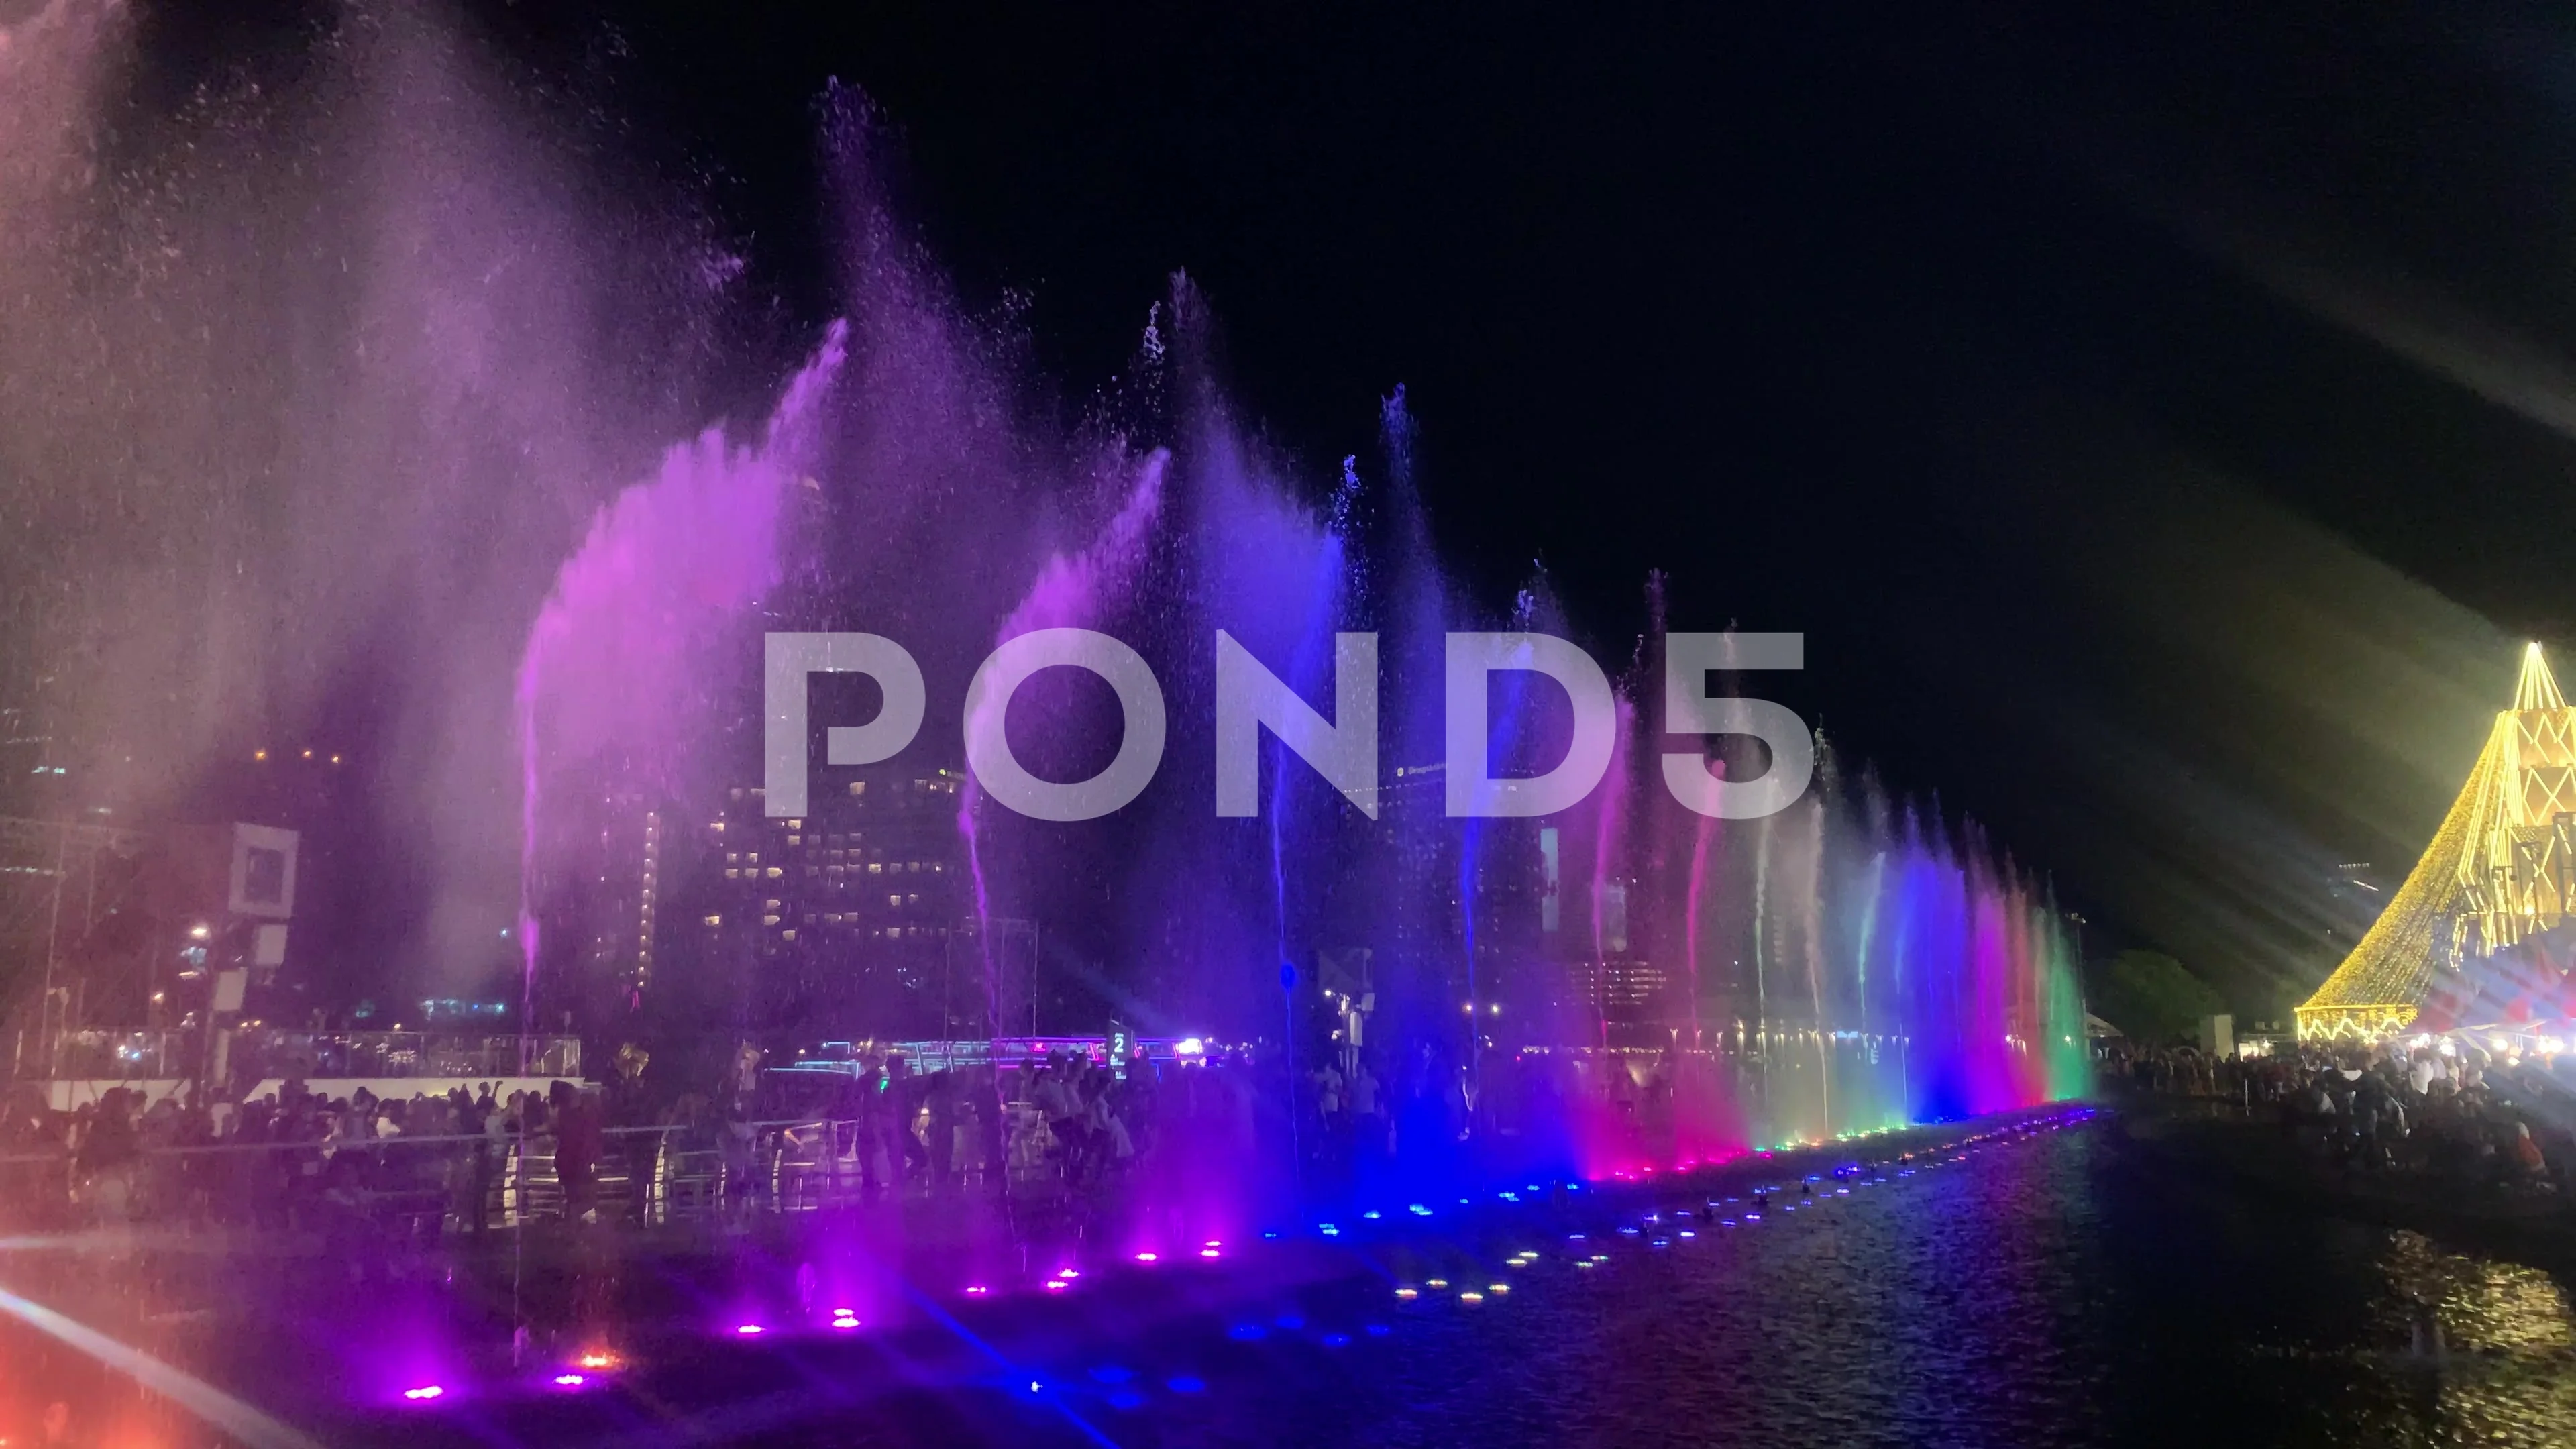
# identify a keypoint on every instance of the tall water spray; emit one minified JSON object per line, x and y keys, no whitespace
{"x":620,"y":681}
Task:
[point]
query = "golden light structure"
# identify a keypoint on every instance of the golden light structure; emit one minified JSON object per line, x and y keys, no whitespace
{"x":2501,"y":867}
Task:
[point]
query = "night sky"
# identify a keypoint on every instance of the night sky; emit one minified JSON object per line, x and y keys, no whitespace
{"x":2155,"y":417}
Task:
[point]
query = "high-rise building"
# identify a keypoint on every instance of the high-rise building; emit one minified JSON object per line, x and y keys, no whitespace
{"x":621,"y":907}
{"x":851,"y":918}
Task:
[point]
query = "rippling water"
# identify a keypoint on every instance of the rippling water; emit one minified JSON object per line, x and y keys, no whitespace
{"x":2047,"y":1290}
{"x":2042,"y":1293}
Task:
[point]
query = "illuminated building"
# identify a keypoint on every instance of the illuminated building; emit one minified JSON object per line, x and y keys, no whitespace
{"x":2500,"y":869}
{"x":624,"y":899}
{"x":1626,"y":991}
{"x":846,"y":916}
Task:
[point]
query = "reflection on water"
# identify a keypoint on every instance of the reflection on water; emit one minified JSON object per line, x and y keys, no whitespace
{"x":2504,"y":1367}
{"x":2046,"y":1291}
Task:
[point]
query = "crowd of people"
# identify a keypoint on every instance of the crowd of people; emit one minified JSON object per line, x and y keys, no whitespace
{"x":294,"y":1157}
{"x":1070,"y":1128}
{"x":465,"y":1160}
{"x":2445,"y":1110}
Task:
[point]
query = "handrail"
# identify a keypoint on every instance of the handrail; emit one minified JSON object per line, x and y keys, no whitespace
{"x":372,"y":1143}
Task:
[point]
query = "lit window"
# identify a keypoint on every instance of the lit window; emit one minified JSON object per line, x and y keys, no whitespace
{"x":787,"y":935}
{"x":733,"y":857}
{"x":769,"y":905}
{"x":715,"y":920}
{"x":796,"y":840}
{"x":858,"y":787}
{"x":737,"y":792}
{"x":775,"y":872}
{"x":876,"y":867}
{"x":731,"y":874}
{"x":769,"y":920}
{"x":912,"y":900}
{"x":894,"y":901}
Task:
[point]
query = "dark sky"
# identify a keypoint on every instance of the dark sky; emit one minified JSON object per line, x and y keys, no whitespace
{"x":2149,"y":413}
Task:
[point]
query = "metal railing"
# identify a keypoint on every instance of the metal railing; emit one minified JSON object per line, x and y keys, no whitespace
{"x":262,"y":1053}
{"x":426,"y":1187}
